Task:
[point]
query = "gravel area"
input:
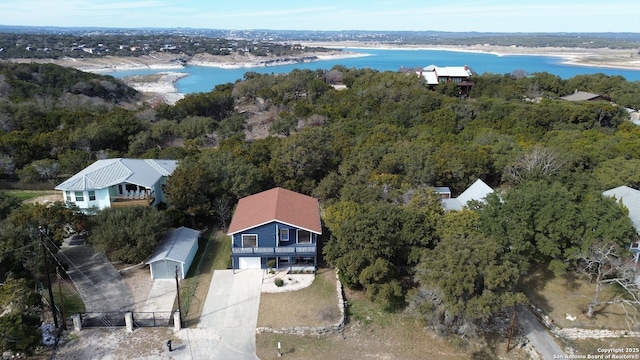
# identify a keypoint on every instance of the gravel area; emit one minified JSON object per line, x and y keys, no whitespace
{"x":139,"y":282}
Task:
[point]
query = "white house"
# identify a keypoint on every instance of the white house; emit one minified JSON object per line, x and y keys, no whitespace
{"x":630,"y":198}
{"x":118,"y":182}
{"x":477,"y":191}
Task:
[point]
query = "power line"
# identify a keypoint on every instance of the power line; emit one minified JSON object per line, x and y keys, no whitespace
{"x":102,"y":318}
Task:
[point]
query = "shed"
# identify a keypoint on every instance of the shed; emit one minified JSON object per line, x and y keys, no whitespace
{"x":177,"y":248}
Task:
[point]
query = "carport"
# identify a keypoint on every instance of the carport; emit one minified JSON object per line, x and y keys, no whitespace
{"x":176,"y":250}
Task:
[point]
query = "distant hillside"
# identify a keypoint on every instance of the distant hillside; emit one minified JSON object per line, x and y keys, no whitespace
{"x":188,"y":37}
{"x":20,"y":82}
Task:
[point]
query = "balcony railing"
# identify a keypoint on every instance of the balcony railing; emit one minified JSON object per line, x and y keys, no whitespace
{"x":280,"y":251}
{"x":126,"y":201}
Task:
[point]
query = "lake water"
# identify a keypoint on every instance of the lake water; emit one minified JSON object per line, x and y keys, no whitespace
{"x":203,"y":79}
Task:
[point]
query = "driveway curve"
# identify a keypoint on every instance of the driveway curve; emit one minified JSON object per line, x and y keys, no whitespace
{"x":540,"y":338}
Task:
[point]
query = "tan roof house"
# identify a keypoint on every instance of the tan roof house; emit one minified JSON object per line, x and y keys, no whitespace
{"x":279,"y":225}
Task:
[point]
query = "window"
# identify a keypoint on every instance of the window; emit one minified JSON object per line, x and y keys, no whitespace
{"x":284,"y":234}
{"x":67,"y":195}
{"x":304,"y":237}
{"x":79,"y":196}
{"x":249,"y":241}
{"x":92,"y":196}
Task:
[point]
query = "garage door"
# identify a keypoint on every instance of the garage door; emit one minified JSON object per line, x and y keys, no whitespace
{"x":249,"y":263}
{"x":164,"y":269}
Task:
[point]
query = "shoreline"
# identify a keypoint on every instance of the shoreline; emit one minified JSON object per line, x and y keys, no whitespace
{"x":161,"y":86}
{"x":623,"y":59}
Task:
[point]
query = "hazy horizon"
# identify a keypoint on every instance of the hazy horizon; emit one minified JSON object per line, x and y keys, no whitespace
{"x":501,"y":16}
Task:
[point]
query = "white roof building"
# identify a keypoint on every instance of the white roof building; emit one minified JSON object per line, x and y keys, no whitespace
{"x":105,"y":182}
{"x":436,"y":74}
{"x":477,"y":191}
{"x":176,"y":250}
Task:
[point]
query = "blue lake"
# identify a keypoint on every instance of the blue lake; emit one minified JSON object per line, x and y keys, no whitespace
{"x":203,"y":79}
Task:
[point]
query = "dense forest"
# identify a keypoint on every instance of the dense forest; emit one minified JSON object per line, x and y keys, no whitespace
{"x":372,"y":155}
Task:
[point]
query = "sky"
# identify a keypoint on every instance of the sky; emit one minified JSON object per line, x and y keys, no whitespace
{"x":383,"y":15}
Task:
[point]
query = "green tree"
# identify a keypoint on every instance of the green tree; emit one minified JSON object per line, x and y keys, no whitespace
{"x":201,"y":184}
{"x":303,"y":159}
{"x":127,"y":234}
{"x":20,"y":307}
{"x":56,"y":219}
{"x":467,"y":278}
{"x":8,"y":203}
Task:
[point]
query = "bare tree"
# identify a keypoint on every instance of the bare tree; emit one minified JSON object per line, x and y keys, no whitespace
{"x":605,"y":266}
{"x":540,"y":162}
{"x":224,"y":209}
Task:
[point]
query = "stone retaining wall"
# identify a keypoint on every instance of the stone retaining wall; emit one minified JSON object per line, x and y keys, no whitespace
{"x":317,"y":330}
{"x":580,"y":334}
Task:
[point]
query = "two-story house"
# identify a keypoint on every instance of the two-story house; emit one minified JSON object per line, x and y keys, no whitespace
{"x":278,"y":228}
{"x":118,"y":182}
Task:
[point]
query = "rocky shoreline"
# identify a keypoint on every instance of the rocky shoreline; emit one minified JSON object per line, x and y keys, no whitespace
{"x":160,"y":85}
{"x":163,"y":83}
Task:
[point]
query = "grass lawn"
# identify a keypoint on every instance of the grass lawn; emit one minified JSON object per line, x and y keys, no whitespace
{"x":30,"y":194}
{"x":292,"y":308}
{"x":72,"y":301}
{"x":215,"y":254}
{"x":374,"y":334}
{"x":570,"y":294}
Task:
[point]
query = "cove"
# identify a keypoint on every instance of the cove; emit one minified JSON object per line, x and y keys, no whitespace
{"x":204,"y":79}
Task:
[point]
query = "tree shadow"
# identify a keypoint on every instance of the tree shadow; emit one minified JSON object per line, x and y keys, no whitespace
{"x":541,"y":283}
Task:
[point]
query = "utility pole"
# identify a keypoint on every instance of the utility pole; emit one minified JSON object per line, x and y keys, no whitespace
{"x":46,"y":269}
{"x":178,"y":293}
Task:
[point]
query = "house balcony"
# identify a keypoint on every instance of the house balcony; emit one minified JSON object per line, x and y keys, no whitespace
{"x":299,"y":250}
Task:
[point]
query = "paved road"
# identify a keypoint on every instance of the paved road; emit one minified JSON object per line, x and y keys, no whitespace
{"x":540,"y":338}
{"x":231,"y":311}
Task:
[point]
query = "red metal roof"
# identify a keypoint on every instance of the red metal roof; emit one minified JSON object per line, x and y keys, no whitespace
{"x":277,"y":204}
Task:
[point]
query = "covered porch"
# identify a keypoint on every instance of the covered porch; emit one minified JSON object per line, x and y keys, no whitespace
{"x":127,"y":194}
{"x":296,"y":258}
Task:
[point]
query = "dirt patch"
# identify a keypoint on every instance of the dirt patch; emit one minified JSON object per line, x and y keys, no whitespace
{"x":139,"y":282}
{"x":45,"y":199}
{"x":115,"y":343}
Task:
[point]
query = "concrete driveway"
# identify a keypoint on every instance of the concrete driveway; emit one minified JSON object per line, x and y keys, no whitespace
{"x":231,"y":311}
{"x":99,"y":283}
